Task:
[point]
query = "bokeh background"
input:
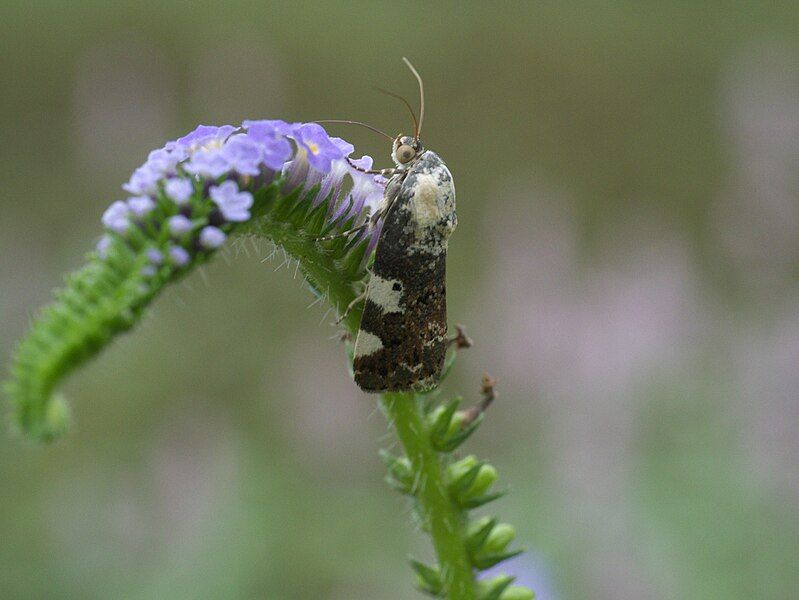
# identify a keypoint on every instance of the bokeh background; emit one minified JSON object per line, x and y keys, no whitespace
{"x":626,"y":260}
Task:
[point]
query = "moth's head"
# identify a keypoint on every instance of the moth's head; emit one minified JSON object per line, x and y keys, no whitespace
{"x":406,"y":149}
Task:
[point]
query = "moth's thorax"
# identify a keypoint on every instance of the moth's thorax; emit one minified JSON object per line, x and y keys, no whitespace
{"x":432,"y":218}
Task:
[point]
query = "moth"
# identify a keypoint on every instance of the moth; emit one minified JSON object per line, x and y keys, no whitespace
{"x":402,"y":339}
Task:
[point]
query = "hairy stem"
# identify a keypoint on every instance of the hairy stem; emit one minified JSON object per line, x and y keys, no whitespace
{"x":443,"y":519}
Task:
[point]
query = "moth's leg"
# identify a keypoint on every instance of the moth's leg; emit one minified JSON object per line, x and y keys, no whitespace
{"x":346,"y":233}
{"x":391,"y":194}
{"x":390,"y":172}
{"x":360,"y":297}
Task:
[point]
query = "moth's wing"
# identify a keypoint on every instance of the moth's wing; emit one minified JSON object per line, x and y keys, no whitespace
{"x":401,"y":344}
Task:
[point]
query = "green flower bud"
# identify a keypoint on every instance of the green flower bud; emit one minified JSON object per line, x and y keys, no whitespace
{"x":492,"y":589}
{"x":428,"y":578}
{"x":486,"y":477}
{"x":56,"y":420}
{"x":480,"y":529}
{"x":499,"y":538}
{"x":517,"y":592}
{"x":400,"y":471}
{"x":457,"y":470}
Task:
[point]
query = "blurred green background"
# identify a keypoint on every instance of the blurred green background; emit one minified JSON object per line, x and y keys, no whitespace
{"x":626,"y":261}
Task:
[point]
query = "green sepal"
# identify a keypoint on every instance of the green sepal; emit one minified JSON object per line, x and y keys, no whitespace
{"x":470,"y":479}
{"x":315,"y":218}
{"x":486,"y":477}
{"x":517,"y":592}
{"x":455,"y":439}
{"x":477,"y":502}
{"x":478,"y":532}
{"x":400,"y":472}
{"x":462,"y":474}
{"x":429,"y":578}
{"x":487,"y":541}
{"x":491,"y":589}
{"x":486,"y":561}
{"x":499,"y":538}
{"x":440,"y":421}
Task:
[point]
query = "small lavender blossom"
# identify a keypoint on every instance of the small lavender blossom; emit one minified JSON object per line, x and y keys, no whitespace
{"x":155,"y":256}
{"x":140,"y":205}
{"x":234,"y":204}
{"x":179,"y":256}
{"x":103,"y":245}
{"x":203,"y":136}
{"x":179,"y":225}
{"x":207,"y":162}
{"x":339,"y":168}
{"x":212,"y":237}
{"x":374,"y":234}
{"x":179,"y":190}
{"x":115,"y":217}
{"x":365,"y":189}
{"x":143,"y":180}
{"x":272,"y":137}
{"x":165,"y":160}
{"x":148,"y":271}
{"x":320,"y":149}
{"x":160,"y":163}
{"x":243,"y":154}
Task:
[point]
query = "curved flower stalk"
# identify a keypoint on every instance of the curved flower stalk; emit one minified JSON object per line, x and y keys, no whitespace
{"x":293,"y":184}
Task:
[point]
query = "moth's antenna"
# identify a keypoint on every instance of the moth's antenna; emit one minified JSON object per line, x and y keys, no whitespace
{"x":406,"y":103}
{"x":421,"y":96}
{"x":375,"y":129}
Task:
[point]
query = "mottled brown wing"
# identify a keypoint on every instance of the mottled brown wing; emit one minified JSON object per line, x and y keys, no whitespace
{"x":402,"y":340}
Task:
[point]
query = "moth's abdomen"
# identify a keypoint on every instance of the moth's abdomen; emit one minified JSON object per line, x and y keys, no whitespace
{"x":403,"y":349}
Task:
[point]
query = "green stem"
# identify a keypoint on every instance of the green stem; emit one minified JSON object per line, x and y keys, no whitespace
{"x":443,"y":519}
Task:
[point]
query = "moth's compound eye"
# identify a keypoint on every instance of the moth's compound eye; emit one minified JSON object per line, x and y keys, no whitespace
{"x":405,"y":153}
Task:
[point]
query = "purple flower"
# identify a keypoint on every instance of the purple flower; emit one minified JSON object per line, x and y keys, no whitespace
{"x":155,"y":256}
{"x":243,"y":154}
{"x":207,"y":162}
{"x":234,"y":204}
{"x":203,"y":146}
{"x":338,"y":170}
{"x":272,"y":137}
{"x":159,"y":163}
{"x":148,"y":271}
{"x":179,"y":256}
{"x":320,"y":149}
{"x":374,"y":237}
{"x":343,"y":146}
{"x":212,"y":237}
{"x":180,"y":190}
{"x":165,"y":160}
{"x":143,"y":180}
{"x":265,"y":129}
{"x":103,"y":245}
{"x":179,"y":225}
{"x":202,"y":137}
{"x":365,"y":190}
{"x":115,"y":217}
{"x":140,"y":205}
